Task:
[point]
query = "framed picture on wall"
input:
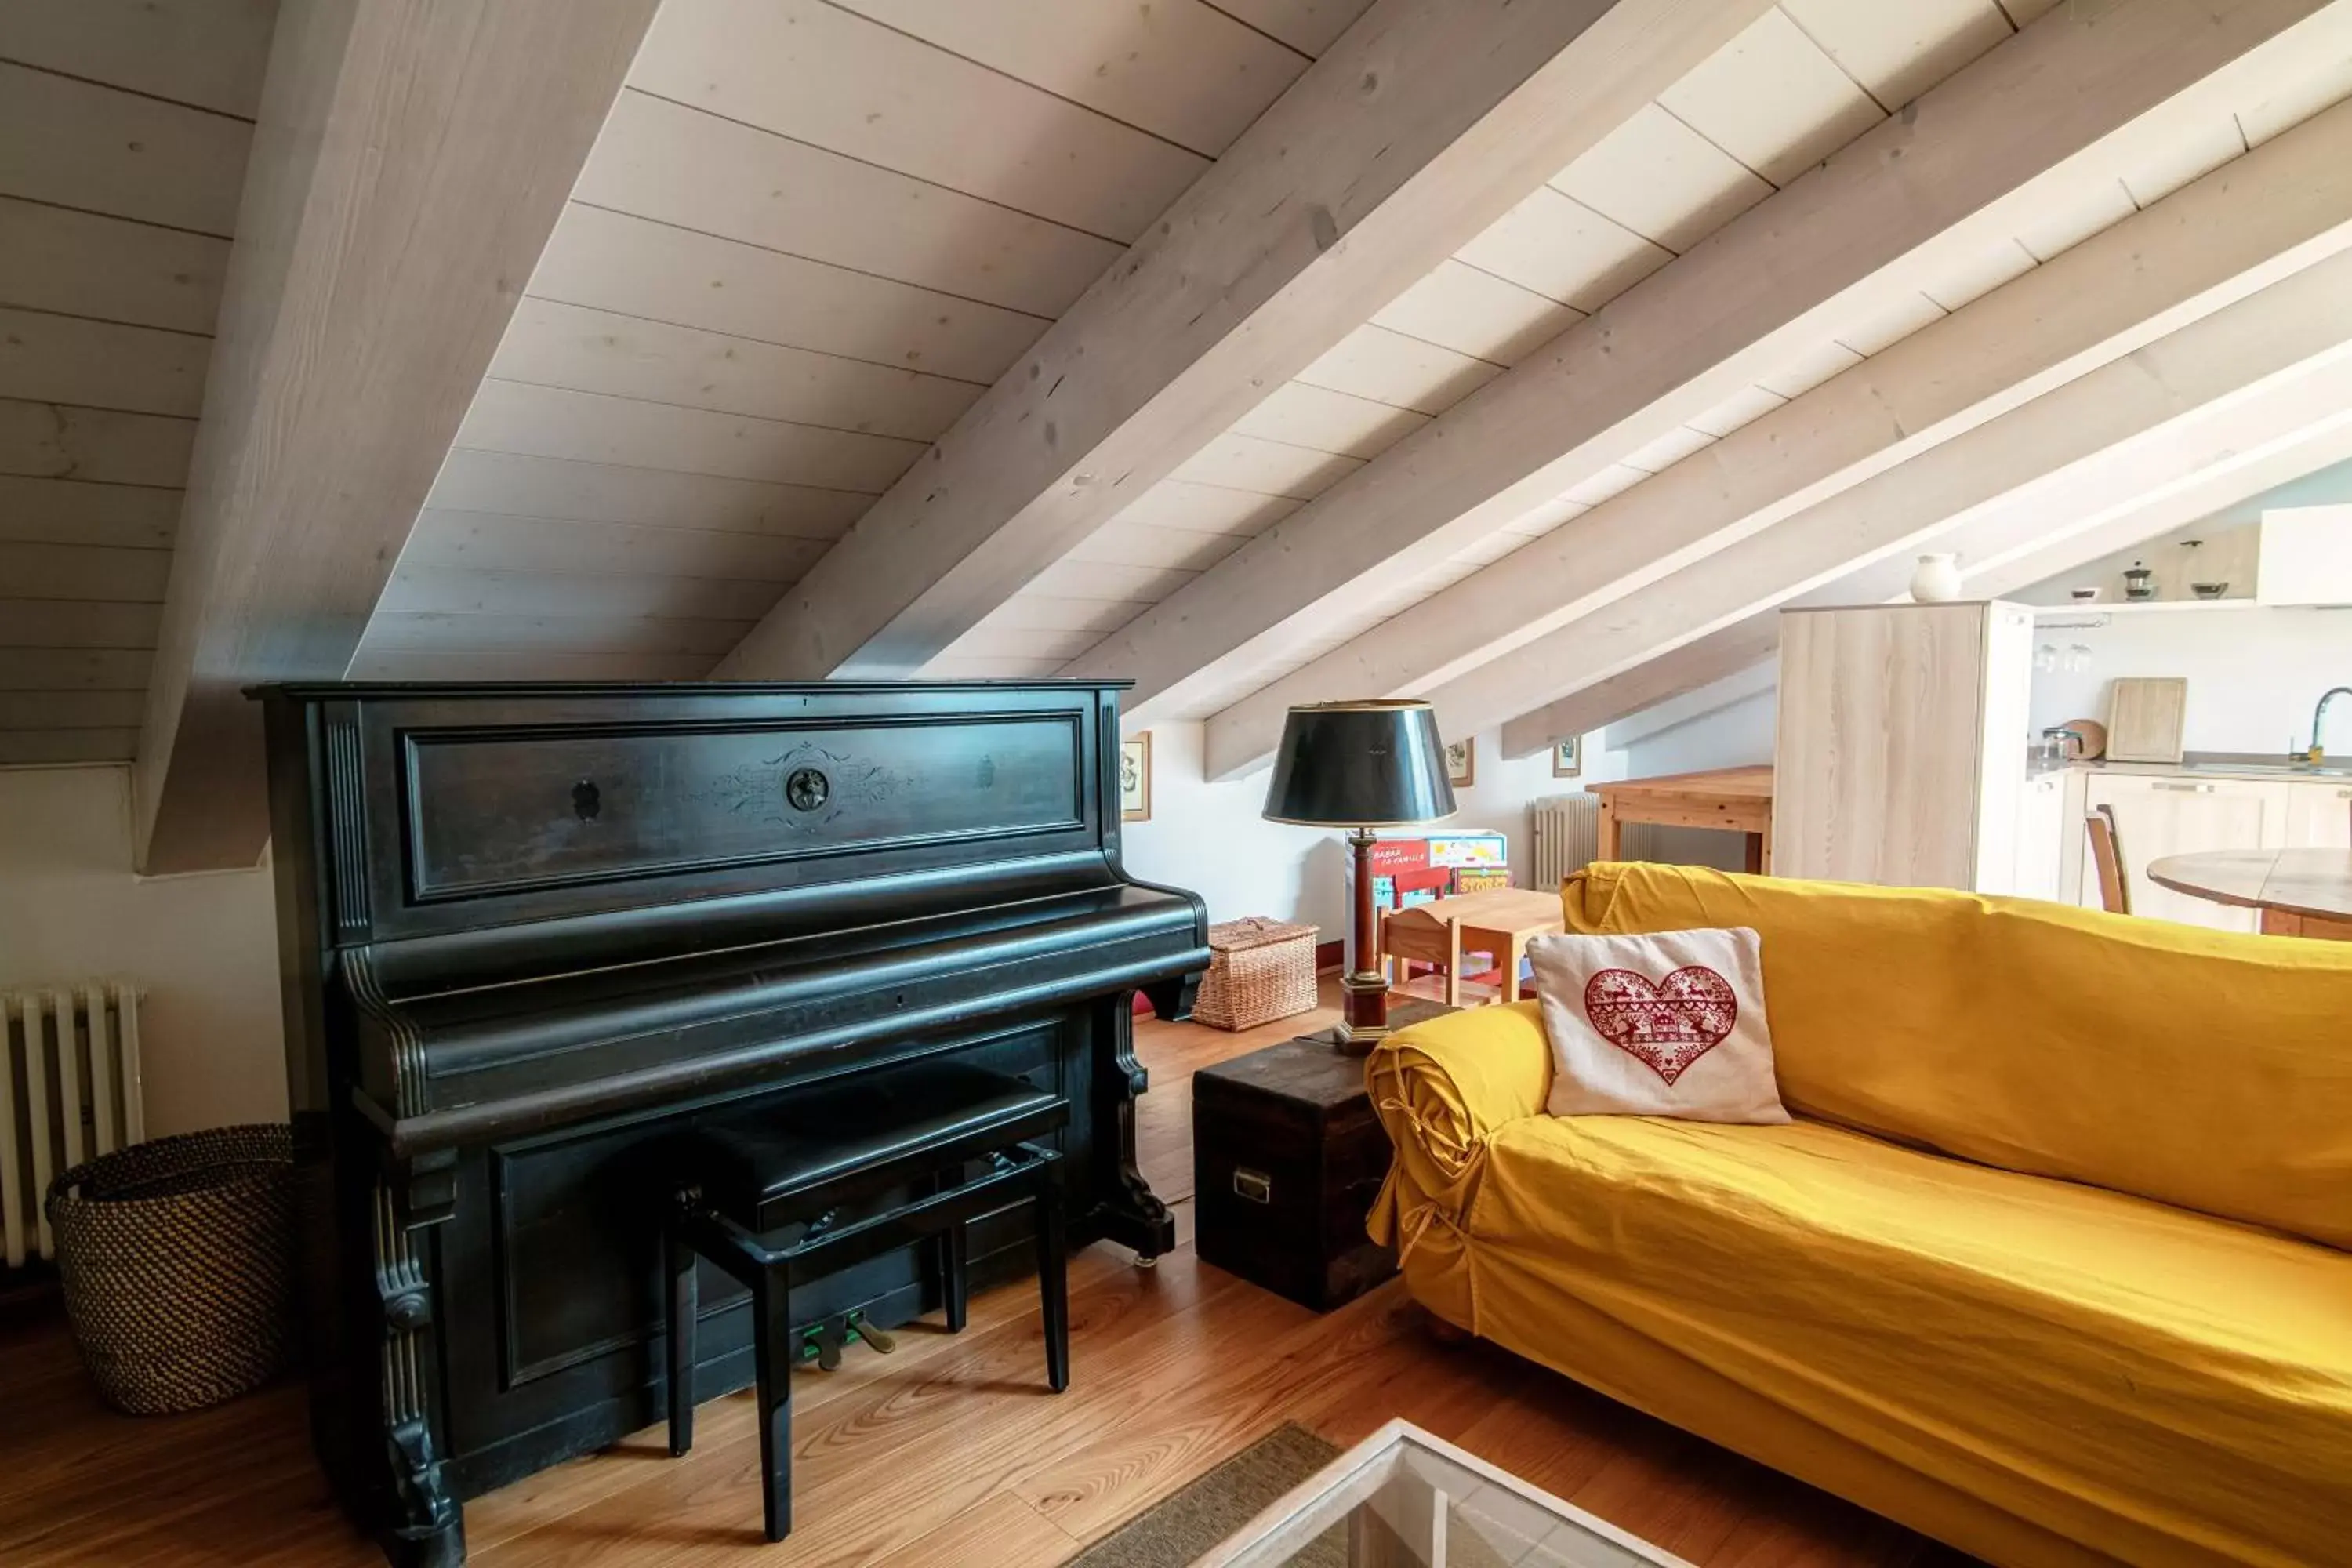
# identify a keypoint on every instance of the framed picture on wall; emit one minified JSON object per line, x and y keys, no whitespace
{"x":1462,"y":764}
{"x":1567,"y":761}
{"x":1135,"y":778}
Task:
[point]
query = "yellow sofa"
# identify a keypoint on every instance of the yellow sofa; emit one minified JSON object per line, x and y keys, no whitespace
{"x":2052,"y":1265}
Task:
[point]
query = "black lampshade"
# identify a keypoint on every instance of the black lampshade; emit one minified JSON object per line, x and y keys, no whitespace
{"x":1360,"y":764}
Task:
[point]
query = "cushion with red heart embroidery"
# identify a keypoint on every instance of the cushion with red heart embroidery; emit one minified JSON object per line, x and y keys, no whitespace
{"x":1668,"y":1025}
{"x":1657,"y":1023}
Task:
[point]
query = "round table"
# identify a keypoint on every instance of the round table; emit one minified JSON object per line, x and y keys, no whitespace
{"x":2300,"y":892}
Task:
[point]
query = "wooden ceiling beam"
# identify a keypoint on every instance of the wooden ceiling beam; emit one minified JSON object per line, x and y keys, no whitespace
{"x":409,"y":163}
{"x":2006,"y":568}
{"x":1426,"y":122}
{"x":1772,"y":285}
{"x":1646,"y":686}
{"x":2265,"y":372}
{"x":2254,"y":220}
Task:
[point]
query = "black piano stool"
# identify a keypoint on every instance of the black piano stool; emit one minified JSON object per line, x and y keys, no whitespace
{"x":914,"y":1128}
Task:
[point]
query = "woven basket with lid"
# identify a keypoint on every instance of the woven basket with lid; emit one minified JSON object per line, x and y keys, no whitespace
{"x":1259,"y":969}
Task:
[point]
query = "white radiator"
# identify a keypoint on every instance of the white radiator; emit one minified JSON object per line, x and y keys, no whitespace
{"x":1565,"y":831}
{"x":69,"y":1089}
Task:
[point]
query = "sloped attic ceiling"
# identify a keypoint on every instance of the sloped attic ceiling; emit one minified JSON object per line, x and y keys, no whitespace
{"x":778,"y":398}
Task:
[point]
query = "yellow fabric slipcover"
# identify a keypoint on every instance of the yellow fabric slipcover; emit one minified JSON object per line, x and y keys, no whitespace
{"x":2038,"y":1371}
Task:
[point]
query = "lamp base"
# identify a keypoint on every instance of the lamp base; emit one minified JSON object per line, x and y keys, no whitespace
{"x":1403,"y":1013}
{"x":1364,"y":1013}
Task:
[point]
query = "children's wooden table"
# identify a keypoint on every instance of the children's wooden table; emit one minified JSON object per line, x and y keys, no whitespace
{"x":1498,"y":922}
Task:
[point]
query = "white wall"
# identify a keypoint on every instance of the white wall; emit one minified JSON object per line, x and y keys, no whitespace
{"x":203,"y":947}
{"x":1737,"y":735}
{"x":1211,"y":838}
{"x":2253,"y":674}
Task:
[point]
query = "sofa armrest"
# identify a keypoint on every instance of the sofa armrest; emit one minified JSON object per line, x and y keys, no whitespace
{"x":1442,"y":1088}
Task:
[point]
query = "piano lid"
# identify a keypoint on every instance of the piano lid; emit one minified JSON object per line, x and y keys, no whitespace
{"x":453,"y":812}
{"x":550,"y":899}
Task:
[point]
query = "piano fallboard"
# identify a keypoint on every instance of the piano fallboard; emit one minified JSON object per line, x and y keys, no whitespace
{"x":532,"y":934}
{"x":518,"y":1057}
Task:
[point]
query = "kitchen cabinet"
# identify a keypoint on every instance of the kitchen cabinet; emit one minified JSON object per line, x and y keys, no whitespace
{"x":2319,"y":816}
{"x":2157,"y":816}
{"x":1900,"y":755}
{"x":2305,"y":557}
{"x":2040,"y":837}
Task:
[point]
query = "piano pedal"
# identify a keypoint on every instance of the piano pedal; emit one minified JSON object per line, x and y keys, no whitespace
{"x":821,"y":1342}
{"x":883,"y":1342}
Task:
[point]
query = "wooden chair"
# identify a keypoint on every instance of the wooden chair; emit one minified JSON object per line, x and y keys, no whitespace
{"x":1497,"y":922}
{"x":2108,"y":854}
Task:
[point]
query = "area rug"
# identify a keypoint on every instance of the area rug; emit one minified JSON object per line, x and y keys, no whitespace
{"x":1178,"y":1529}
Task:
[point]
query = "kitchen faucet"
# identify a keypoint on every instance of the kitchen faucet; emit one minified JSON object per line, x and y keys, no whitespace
{"x":2318,"y":753}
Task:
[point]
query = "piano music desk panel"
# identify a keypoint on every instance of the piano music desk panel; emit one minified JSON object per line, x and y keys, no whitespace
{"x":532,"y":934}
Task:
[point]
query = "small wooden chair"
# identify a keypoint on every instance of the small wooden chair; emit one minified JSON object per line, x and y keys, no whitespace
{"x":2107,"y":855}
{"x":914,"y":1130}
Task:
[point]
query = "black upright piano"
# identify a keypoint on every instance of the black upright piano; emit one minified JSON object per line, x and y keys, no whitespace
{"x":533,"y":933}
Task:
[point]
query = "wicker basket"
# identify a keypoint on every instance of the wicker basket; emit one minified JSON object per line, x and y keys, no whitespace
{"x":177,"y":1261}
{"x":1259,"y":969}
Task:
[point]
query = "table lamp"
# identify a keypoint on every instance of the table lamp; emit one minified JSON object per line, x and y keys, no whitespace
{"x":1360,"y":766}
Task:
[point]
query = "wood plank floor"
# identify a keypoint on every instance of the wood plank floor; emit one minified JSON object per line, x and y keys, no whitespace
{"x":950,"y":1454}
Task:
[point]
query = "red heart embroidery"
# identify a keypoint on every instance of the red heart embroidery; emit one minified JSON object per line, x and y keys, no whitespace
{"x":1668,"y":1025}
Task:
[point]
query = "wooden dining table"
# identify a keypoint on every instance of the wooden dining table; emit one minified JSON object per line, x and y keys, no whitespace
{"x":1736,"y":800}
{"x":2298,"y":892}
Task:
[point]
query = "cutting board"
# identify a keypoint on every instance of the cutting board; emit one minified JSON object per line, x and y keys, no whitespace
{"x":2145,"y":719}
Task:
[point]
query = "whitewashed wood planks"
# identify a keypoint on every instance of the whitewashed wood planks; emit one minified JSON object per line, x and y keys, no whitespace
{"x":1180,"y":69}
{"x":81,"y":145}
{"x":820,"y":76}
{"x":208,"y":54}
{"x":679,"y":165}
{"x":639,"y":267}
{"x":124,"y":126}
{"x":841,"y":261}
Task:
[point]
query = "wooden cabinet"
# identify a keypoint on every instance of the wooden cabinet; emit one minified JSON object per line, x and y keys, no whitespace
{"x":1900,"y":756}
{"x":2319,"y":816}
{"x":2178,"y":815}
{"x":2305,"y":557}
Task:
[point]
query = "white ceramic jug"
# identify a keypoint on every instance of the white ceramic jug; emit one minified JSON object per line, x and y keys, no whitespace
{"x":1936,"y":579}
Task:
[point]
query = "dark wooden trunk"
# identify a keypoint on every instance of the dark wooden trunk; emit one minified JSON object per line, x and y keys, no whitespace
{"x":1286,"y":1159}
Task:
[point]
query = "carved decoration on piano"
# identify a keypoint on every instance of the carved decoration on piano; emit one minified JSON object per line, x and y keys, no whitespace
{"x":807,"y":787}
{"x":407,"y":1047}
{"x":425,"y":1517}
{"x":349,"y":849}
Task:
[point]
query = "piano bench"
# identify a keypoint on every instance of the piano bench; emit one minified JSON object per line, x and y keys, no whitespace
{"x":910,"y":1127}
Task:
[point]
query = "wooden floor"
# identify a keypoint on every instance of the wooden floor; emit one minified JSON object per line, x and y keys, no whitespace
{"x":949,"y":1453}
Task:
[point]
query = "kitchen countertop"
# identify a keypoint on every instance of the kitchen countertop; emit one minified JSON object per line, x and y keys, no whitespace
{"x":2255,"y":766}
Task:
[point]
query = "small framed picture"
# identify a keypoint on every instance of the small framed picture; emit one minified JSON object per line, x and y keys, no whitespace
{"x":1135,"y":779}
{"x":1462,"y":764}
{"x":1566,"y":762}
